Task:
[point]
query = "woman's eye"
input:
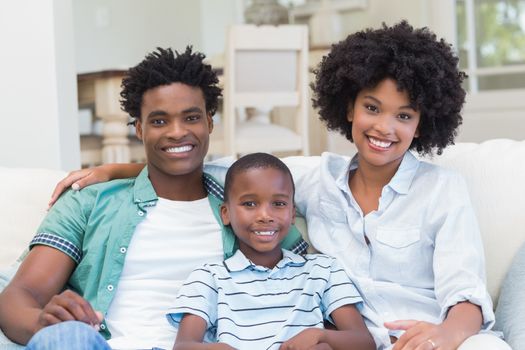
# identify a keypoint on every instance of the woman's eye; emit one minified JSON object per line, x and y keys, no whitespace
{"x":404,"y":117}
{"x":371,"y":108}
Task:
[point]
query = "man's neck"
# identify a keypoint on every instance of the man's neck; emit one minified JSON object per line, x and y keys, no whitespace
{"x":188,"y":187}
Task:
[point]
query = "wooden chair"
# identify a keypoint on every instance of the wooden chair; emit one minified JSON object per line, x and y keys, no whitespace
{"x":265,"y":67}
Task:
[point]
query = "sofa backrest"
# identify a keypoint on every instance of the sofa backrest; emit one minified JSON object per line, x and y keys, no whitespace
{"x":26,"y":193}
{"x":495,"y":175}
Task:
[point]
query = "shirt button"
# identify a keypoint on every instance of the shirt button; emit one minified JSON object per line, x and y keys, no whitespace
{"x":140,"y":213}
{"x":123,"y":250}
{"x":110,"y":287}
{"x":102,"y":326}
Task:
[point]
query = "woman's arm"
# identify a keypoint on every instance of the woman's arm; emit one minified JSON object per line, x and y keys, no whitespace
{"x":191,"y":333}
{"x":351,"y":333}
{"x":34,"y":298}
{"x":81,"y":178}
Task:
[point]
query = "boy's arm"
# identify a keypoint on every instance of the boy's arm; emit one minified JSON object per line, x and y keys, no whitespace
{"x":191,"y":333}
{"x":81,"y":178}
{"x":351,"y":333}
{"x":33,"y":299}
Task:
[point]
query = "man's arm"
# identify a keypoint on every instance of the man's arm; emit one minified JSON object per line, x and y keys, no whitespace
{"x":351,"y":333}
{"x":81,"y":178}
{"x":34,"y":298}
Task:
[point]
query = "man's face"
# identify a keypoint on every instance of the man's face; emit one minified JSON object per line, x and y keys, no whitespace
{"x":175,"y":129}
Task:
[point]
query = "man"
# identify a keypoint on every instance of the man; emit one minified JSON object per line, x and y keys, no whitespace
{"x":107,"y":261}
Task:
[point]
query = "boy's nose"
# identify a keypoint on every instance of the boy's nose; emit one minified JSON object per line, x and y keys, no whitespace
{"x":264,"y":214}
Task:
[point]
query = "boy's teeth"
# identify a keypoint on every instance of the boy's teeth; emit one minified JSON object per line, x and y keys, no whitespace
{"x":179,"y":149}
{"x":382,"y":144}
{"x":264,"y":233}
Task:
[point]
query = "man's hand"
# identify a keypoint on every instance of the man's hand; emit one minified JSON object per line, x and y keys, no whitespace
{"x":69,"y":306}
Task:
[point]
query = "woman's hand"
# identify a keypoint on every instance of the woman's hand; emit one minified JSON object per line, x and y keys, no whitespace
{"x":421,"y":335}
{"x":79,"y":179}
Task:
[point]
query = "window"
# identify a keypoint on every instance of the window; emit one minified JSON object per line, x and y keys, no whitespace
{"x":491,"y":42}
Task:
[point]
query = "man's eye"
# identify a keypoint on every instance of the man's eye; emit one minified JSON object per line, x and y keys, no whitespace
{"x":158,"y":121}
{"x":193,"y":118}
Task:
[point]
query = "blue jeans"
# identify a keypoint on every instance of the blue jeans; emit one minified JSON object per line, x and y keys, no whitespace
{"x":68,"y":335}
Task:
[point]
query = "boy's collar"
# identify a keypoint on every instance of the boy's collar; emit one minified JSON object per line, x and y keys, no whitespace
{"x":239,"y":261}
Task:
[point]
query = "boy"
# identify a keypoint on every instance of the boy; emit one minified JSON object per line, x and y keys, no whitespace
{"x":124,"y":247}
{"x":265,"y":297}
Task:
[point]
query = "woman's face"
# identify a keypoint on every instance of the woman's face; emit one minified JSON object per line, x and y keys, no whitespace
{"x":384,"y":123}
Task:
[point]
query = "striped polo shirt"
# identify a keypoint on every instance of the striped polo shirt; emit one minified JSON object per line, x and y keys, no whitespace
{"x":254,"y":307}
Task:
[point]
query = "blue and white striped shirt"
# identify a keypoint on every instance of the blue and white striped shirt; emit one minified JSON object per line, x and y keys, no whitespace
{"x":250,"y":306}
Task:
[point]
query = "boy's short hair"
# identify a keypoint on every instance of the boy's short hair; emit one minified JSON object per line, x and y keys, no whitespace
{"x":423,"y":66}
{"x":164,"y":67}
{"x":255,"y":161}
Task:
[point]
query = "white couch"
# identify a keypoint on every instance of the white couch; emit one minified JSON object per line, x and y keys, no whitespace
{"x":494,"y":170}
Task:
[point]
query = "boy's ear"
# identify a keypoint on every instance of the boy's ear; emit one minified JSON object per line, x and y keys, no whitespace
{"x":225,"y":216}
{"x":138,"y":129}
{"x":294,"y":214}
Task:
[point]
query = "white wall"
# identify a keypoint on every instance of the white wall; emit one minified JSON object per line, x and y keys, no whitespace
{"x":38,"y":85}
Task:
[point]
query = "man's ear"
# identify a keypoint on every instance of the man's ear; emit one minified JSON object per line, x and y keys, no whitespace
{"x":210,"y":122}
{"x":225,"y":216}
{"x":138,"y":129}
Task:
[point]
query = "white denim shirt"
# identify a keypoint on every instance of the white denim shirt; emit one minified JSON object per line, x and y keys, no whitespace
{"x":425,"y":252}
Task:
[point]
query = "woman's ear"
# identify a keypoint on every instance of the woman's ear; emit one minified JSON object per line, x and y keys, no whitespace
{"x":350,"y":114}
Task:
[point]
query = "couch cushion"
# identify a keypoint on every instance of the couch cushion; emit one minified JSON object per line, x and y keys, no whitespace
{"x":494,"y":171}
{"x":27,"y":191}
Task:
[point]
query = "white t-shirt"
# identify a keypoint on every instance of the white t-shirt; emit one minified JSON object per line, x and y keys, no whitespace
{"x":173,"y":239}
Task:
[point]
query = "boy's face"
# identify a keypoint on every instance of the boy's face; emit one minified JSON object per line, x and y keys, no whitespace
{"x":383,"y":124}
{"x":260,"y":210}
{"x":175,"y":129}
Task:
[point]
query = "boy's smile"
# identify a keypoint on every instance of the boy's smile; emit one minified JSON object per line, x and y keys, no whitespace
{"x":260,"y":210}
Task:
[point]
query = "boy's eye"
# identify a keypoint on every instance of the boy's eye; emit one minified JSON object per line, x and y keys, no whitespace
{"x":280,"y":204}
{"x":248,"y":204}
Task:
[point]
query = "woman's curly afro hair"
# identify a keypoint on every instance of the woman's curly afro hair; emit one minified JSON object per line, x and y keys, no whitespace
{"x":420,"y":64}
{"x":163,"y":67}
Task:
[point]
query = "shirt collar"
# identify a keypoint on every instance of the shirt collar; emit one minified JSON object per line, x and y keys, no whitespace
{"x":144,"y":192}
{"x":239,"y":262}
{"x":400,"y":182}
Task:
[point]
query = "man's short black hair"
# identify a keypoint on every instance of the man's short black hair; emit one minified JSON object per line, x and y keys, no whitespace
{"x":164,"y":67}
{"x":421,"y":65}
{"x":255,"y":161}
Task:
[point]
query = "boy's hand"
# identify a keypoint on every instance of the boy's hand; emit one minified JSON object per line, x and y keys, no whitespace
{"x":421,"y":335}
{"x":69,"y":306}
{"x":305,"y":340}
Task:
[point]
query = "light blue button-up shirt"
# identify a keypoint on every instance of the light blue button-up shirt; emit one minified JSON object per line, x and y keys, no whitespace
{"x":425,"y":252}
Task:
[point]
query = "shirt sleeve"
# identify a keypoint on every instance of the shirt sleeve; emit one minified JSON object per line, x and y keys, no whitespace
{"x":459,"y":263}
{"x":64,"y":226}
{"x":197,"y":296}
{"x":339,"y":291}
